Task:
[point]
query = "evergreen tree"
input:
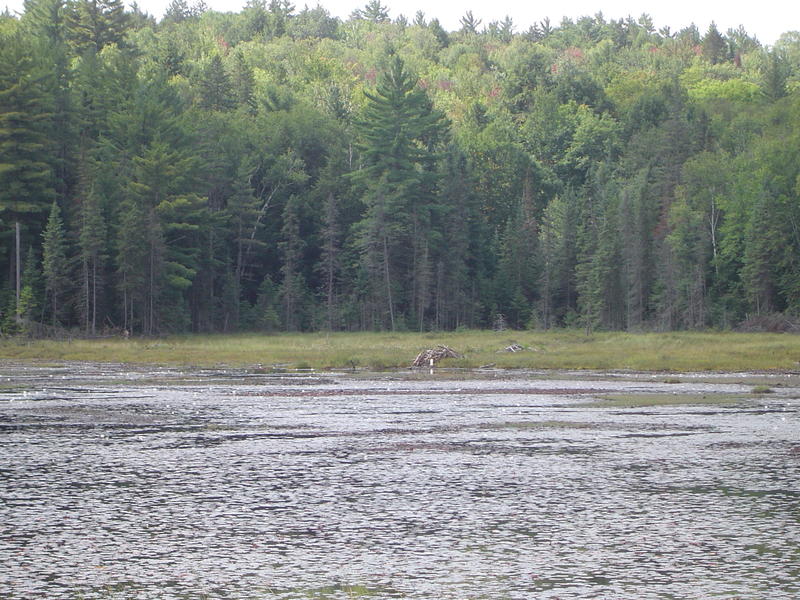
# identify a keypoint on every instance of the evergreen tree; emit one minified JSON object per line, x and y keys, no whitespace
{"x":775,"y":76}
{"x":92,"y":241}
{"x":180,"y":10}
{"x":26,"y":185}
{"x":400,"y":131}
{"x":637,"y":219}
{"x":215,"y":87}
{"x":243,"y":84}
{"x":46,"y":21}
{"x":456,"y":292}
{"x":278,"y":16}
{"x":469,"y":24}
{"x":54,"y":262}
{"x":293,"y":288}
{"x":518,"y":267}
{"x":557,"y":249}
{"x":132,"y":253}
{"x":330,"y":259}
{"x":715,"y":48}
{"x":597,"y":284}
{"x":30,"y":306}
{"x":94,"y":24}
{"x":374,"y":12}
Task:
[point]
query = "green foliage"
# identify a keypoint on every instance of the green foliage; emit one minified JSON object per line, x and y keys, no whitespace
{"x":26,"y":186}
{"x":54,"y":262}
{"x":281,"y":169}
{"x":95,"y":24}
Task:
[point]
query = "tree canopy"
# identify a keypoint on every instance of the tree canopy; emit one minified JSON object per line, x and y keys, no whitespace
{"x":279,"y":168}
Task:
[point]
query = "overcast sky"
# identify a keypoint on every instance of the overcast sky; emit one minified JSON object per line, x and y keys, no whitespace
{"x":766,"y":19}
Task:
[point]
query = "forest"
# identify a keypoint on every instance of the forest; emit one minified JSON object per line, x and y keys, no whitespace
{"x":280,"y":169}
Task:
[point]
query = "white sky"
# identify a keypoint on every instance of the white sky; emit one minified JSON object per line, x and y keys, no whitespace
{"x":766,"y":19}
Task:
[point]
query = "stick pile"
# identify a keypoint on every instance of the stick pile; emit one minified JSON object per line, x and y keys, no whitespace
{"x":425,"y":357}
{"x":513,"y":348}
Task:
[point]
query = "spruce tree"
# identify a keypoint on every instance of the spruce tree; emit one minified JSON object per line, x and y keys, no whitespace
{"x":715,"y":48}
{"x":292,"y":246}
{"x":54,"y":262}
{"x":92,"y":241}
{"x":243,"y":84}
{"x":330,"y":259}
{"x":215,"y":87}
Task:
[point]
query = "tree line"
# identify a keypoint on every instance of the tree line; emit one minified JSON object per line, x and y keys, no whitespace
{"x":277,"y":169}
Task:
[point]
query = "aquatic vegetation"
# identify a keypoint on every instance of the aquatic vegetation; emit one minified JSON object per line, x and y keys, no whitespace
{"x":643,"y":400}
{"x":762,"y":389}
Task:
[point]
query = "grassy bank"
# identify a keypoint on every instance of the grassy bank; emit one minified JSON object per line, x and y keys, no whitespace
{"x":682,"y":351}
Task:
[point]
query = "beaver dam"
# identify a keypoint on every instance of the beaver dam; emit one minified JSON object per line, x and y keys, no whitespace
{"x":121,"y":483}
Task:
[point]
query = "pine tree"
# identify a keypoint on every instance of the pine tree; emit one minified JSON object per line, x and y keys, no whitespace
{"x":292,"y":246}
{"x":243,"y":84}
{"x":715,"y":48}
{"x":30,"y":303}
{"x":278,"y":16}
{"x":95,"y":24}
{"x":597,"y":283}
{"x":469,"y":24}
{"x":26,"y":185}
{"x":775,"y":76}
{"x":215,"y":87}
{"x":46,"y":21}
{"x":54,"y":262}
{"x":330,"y":259}
{"x":170,"y":220}
{"x":132,"y":254}
{"x":178,"y":11}
{"x":92,"y":240}
{"x":456,"y":276}
{"x":556,"y":250}
{"x":518,"y":269}
{"x":763,"y":256}
{"x":401,"y":132}
{"x":636,"y":222}
{"x":374,"y":12}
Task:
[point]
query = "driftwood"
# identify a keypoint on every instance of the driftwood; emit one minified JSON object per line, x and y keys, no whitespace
{"x":431,"y":356}
{"x":512,"y":348}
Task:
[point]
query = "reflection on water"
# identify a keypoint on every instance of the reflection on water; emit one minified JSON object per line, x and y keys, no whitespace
{"x":338,"y":488}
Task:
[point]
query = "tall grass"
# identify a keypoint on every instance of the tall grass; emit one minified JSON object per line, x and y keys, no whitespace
{"x":567,"y":349}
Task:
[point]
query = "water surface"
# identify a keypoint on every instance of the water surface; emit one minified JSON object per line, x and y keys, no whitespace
{"x":138,"y":484}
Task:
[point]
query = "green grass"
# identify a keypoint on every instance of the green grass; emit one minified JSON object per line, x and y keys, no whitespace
{"x":762,"y":389}
{"x":645,"y":400}
{"x":685,"y":351}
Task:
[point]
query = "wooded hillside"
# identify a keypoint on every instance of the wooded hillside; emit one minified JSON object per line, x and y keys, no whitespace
{"x":281,"y":169}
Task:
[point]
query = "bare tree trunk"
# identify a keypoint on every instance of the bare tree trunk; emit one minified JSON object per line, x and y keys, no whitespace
{"x":18,"y":235}
{"x":151,"y":293}
{"x":86,"y":300}
{"x":388,"y":280}
{"x":94,"y":297}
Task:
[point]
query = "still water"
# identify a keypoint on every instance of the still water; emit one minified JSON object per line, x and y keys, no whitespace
{"x":123,"y":484}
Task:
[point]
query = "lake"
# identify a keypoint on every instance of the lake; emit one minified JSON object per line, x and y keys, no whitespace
{"x":121,"y":482}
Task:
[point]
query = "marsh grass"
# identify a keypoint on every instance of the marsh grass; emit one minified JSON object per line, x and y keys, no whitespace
{"x":541,"y":425}
{"x":348,"y":590}
{"x":762,"y":389}
{"x":566,"y":349}
{"x":645,"y":400}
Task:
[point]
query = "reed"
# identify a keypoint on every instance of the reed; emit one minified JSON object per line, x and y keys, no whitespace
{"x":563,"y":349}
